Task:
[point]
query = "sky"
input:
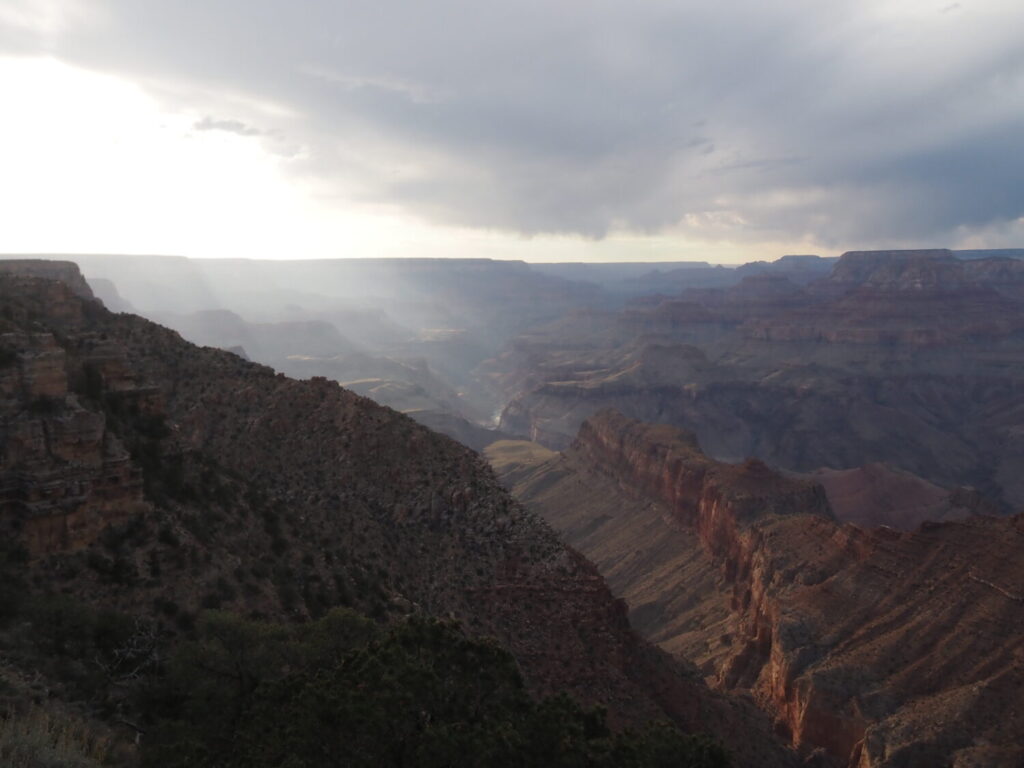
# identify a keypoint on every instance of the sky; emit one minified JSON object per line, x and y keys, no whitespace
{"x":592,"y":130}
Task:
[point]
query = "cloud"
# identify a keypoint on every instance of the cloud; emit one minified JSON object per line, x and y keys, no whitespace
{"x":848,"y":123}
{"x":417,"y":93}
{"x":231,"y":126}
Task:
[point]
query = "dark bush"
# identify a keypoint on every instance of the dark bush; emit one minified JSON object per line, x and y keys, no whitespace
{"x":341,"y":691}
{"x":166,"y":535}
{"x":45,"y":406}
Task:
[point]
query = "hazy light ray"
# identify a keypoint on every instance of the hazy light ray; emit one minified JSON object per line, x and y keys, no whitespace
{"x":90,"y":163}
{"x":93,"y":163}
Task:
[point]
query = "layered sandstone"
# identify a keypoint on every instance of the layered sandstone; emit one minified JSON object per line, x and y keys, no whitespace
{"x":883,"y":648}
{"x":925,"y":297}
{"x":879,"y":316}
{"x":705,"y":311}
{"x":911,"y":359}
{"x":64,"y":476}
{"x":65,"y":272}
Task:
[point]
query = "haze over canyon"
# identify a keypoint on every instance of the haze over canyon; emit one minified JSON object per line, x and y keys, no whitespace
{"x":775,"y":507}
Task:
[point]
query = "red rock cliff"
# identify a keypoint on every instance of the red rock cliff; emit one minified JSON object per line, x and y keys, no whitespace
{"x":864,"y":644}
{"x":64,"y":476}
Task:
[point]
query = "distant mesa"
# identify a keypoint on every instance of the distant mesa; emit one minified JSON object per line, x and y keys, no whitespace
{"x":989,"y":253}
{"x":66,"y":272}
{"x":800,"y":268}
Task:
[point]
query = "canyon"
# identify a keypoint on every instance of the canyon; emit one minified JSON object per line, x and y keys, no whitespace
{"x":904,"y":358}
{"x":907,"y":358}
{"x":145,"y":475}
{"x":794,"y":480}
{"x":876,"y":647}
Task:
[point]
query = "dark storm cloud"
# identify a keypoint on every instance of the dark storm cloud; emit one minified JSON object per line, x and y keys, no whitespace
{"x":849,"y":121}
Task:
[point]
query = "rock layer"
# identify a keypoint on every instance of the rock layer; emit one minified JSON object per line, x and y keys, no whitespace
{"x":64,"y":476}
{"x":911,"y":359}
{"x":883,"y":648}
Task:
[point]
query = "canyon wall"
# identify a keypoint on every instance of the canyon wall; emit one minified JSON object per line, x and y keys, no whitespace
{"x":908,"y":358}
{"x":877,"y":648}
{"x":64,"y":476}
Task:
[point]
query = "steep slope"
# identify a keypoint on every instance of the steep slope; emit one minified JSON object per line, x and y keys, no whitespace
{"x":343,"y":318}
{"x":280,"y":497}
{"x":883,"y":648}
{"x":314,"y":347}
{"x":676,"y":597}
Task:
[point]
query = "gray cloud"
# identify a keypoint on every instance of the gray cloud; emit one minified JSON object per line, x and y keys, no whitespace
{"x":849,"y":122}
{"x":230,"y":126}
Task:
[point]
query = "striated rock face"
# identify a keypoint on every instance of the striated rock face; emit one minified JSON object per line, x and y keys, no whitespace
{"x":64,"y":477}
{"x":882,"y":648}
{"x":937,"y":270}
{"x":873,"y":318}
{"x":669,"y":465}
{"x":708,"y":312}
{"x":911,"y":269}
{"x":951,"y":430}
{"x":910,"y":298}
{"x":911,"y":359}
{"x":66,"y":272}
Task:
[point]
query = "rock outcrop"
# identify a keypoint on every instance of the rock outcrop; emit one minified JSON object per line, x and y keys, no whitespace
{"x":65,"y":272}
{"x":905,"y":297}
{"x":64,"y":476}
{"x":882,"y":648}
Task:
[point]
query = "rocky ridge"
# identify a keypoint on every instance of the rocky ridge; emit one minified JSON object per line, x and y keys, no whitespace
{"x":905,"y":297}
{"x":882,"y":648}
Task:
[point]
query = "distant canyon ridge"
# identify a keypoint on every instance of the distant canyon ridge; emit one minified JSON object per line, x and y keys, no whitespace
{"x":905,"y":360}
